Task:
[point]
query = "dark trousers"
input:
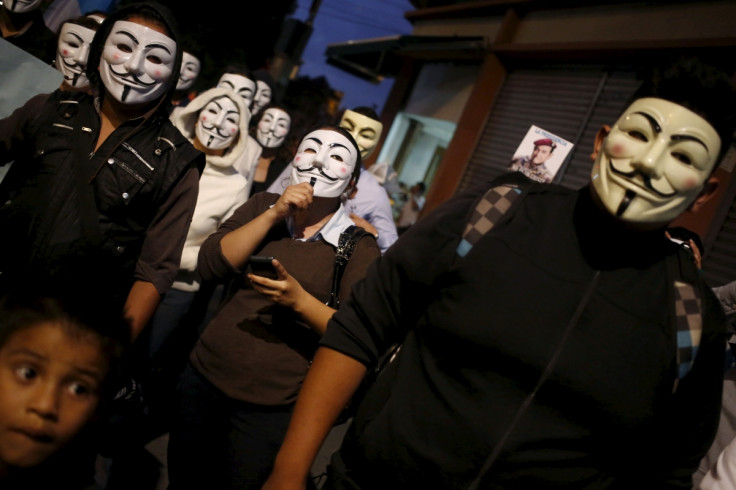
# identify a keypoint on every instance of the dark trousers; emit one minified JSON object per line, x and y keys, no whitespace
{"x":218,"y":442}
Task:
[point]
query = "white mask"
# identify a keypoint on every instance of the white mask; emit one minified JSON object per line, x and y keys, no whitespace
{"x":273,"y":127}
{"x":364,"y":130}
{"x":327,"y":157}
{"x":72,"y":52}
{"x":263,"y":96}
{"x":654,"y":162}
{"x":137,"y":63}
{"x":243,"y":86}
{"x":218,"y":124}
{"x":189,"y":72}
{"x":21,"y":6}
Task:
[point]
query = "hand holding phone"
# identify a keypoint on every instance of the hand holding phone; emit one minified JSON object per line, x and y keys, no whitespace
{"x":263,"y":266}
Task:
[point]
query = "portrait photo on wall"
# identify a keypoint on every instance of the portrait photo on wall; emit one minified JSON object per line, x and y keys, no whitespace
{"x":540,"y":154}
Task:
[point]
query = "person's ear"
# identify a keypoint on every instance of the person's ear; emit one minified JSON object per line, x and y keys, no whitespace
{"x":600,"y":137}
{"x":709,"y":190}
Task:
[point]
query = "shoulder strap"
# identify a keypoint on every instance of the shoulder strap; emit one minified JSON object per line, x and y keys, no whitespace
{"x":489,"y":211}
{"x":345,"y":246}
{"x":687,"y":299}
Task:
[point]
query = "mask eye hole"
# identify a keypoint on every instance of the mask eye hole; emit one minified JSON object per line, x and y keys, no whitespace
{"x":638,"y":135}
{"x":124,"y":48}
{"x":154,"y":59}
{"x":336,"y":157}
{"x":682,"y":158}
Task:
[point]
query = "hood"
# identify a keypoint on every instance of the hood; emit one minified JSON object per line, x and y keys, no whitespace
{"x":185,"y":119}
{"x":145,"y":9}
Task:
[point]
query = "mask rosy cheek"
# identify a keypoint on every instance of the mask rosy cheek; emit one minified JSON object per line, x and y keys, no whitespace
{"x":204,"y":118}
{"x":65,"y":52}
{"x":617,"y":149}
{"x":297,"y":159}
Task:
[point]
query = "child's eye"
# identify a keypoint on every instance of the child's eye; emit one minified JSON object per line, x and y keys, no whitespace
{"x":26,"y":372}
{"x":79,"y":389}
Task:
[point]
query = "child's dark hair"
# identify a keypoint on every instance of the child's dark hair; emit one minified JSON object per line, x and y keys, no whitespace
{"x":77,"y":314}
{"x":702,"y":88}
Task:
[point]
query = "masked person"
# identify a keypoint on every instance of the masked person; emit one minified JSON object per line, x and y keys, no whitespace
{"x":215,"y":122}
{"x":265,"y":86}
{"x":578,"y":372}
{"x":22,"y":25}
{"x":369,"y":206}
{"x":103,"y":186}
{"x":190,"y":68}
{"x":238,"y":78}
{"x":237,"y":393}
{"x":75,"y":38}
{"x":271,"y":132}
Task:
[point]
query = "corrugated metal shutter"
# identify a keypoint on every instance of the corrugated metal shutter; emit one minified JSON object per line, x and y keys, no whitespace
{"x":569,"y":101}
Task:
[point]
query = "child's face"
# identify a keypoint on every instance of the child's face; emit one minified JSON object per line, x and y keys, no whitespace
{"x":49,"y":389}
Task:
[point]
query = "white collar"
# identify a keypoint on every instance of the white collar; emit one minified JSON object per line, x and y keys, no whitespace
{"x":331,"y":230}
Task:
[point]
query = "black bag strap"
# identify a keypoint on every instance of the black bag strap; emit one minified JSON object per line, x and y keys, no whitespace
{"x":345,"y":246}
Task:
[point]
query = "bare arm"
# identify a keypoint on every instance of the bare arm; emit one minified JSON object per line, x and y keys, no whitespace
{"x":140,"y":306}
{"x":331,"y":381}
{"x":239,"y":244}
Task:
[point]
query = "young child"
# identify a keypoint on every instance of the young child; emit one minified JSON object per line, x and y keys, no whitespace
{"x":57,"y":358}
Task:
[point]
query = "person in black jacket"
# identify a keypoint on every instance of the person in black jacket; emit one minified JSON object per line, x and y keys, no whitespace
{"x":561,"y":342}
{"x":103,"y":187}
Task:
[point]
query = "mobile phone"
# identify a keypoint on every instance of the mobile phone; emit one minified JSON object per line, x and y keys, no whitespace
{"x":262,"y":266}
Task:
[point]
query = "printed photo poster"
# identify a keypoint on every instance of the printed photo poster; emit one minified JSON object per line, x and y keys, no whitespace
{"x":540,"y":155}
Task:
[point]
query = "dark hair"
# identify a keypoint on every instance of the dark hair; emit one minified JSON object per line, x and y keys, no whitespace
{"x":366,"y":111}
{"x":236,"y":68}
{"x":699,"y":87}
{"x":264,"y":76}
{"x":150,"y":11}
{"x":83,"y":21}
{"x":77,"y":313}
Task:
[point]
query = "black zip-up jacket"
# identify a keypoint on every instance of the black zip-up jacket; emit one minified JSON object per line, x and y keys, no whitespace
{"x":112,"y":216}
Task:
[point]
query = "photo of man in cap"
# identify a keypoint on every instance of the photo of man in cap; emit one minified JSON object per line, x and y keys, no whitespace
{"x":533,"y":166}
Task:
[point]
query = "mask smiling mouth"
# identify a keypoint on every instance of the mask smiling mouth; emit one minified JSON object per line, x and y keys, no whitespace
{"x":646,"y":180}
{"x":321,"y":172}
{"x":130,"y":79}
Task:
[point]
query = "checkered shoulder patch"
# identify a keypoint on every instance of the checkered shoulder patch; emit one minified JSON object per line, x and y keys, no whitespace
{"x":689,"y":321}
{"x":488,"y":211}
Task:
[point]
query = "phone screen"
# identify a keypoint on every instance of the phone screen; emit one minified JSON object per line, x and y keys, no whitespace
{"x":262,"y":266}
